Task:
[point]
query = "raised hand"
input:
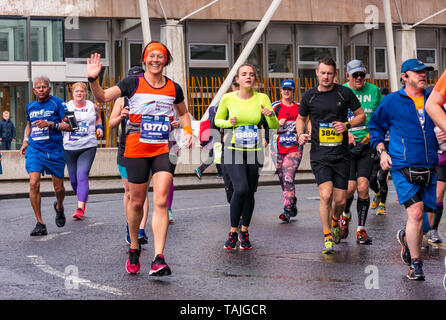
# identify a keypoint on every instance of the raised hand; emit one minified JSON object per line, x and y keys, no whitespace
{"x":94,"y":65}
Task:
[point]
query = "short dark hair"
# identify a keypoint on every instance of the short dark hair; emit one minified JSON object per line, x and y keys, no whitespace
{"x":327,"y":61}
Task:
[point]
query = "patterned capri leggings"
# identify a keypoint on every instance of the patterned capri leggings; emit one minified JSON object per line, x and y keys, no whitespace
{"x":287,"y":165}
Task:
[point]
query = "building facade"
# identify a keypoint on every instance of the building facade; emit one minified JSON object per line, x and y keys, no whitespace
{"x":56,"y":40}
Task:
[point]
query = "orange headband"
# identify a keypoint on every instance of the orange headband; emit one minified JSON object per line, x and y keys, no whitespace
{"x":155,"y":46}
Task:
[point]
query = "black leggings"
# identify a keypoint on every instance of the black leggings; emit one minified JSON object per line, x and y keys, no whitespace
{"x":244,"y":178}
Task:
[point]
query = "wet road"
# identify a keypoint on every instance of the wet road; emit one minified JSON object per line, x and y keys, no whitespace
{"x":85,"y":259}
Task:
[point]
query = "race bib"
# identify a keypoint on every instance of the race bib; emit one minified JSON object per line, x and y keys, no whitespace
{"x":328,"y":136}
{"x":288,"y":140}
{"x":155,"y":129}
{"x":81,"y":132}
{"x":350,"y":117}
{"x":246,"y":137}
{"x":40,"y":133}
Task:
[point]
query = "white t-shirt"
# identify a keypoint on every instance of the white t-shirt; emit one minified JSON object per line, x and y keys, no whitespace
{"x":85,"y":136}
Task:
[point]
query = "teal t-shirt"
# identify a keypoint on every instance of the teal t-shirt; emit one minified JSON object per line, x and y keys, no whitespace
{"x":370,"y":97}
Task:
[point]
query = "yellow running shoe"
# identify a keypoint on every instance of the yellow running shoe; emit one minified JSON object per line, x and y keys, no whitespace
{"x":381,"y":209}
{"x":328,"y":246}
{"x":375,"y":201}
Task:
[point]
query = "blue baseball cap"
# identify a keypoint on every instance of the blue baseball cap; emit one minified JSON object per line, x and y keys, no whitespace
{"x":288,"y":84}
{"x":414,"y":65}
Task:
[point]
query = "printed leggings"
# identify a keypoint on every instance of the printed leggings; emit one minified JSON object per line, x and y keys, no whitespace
{"x":287,"y":165}
{"x":79,"y":164}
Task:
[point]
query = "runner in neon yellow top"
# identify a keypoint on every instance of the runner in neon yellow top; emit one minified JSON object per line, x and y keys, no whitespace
{"x":244,"y":111}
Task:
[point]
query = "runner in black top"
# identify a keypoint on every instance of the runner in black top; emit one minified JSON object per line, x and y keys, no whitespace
{"x":327,"y":106}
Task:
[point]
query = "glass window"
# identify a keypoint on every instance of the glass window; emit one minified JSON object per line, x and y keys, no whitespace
{"x":237,"y":50}
{"x":427,"y":55}
{"x":135,"y":54}
{"x":280,"y":58}
{"x":208,"y":72}
{"x":208,"y":52}
{"x":12,"y":40}
{"x":83,"y":50}
{"x":256,"y":58}
{"x":47,"y":40}
{"x":314,"y":54}
{"x":362,"y":53}
{"x":380,"y":60}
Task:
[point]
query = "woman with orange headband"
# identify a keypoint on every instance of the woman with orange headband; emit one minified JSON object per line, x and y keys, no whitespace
{"x":153,"y":99}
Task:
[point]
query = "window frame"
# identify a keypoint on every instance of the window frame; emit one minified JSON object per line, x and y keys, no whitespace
{"x":281,"y":74}
{"x":435,"y":64}
{"x":201,"y":63}
{"x":376,"y":73}
{"x":103,"y":60}
{"x":309,"y":63}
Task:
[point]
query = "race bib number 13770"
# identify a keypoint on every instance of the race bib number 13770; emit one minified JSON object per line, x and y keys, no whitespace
{"x":155,"y":129}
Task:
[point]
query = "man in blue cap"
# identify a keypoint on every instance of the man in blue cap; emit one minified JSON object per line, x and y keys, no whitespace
{"x":411,"y":157}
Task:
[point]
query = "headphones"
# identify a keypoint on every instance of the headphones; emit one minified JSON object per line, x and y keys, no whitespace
{"x":406,"y":76}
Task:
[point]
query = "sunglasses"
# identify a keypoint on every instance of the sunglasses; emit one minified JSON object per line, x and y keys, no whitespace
{"x":359,"y":75}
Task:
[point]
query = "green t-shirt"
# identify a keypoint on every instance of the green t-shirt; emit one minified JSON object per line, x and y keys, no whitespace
{"x":248,"y":113}
{"x":370,"y":97}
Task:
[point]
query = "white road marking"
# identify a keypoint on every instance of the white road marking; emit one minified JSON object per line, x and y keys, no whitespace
{"x":41,"y":264}
{"x":52,"y":236}
{"x":96,"y":224}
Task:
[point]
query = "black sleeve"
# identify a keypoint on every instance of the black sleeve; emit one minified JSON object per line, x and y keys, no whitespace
{"x":128,"y":86}
{"x":352,"y":101}
{"x":303,"y":107}
{"x":179,"y":96}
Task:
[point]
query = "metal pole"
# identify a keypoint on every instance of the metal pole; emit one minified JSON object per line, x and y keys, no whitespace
{"x":145,"y":23}
{"x":199,"y":10}
{"x":246,"y":51}
{"x":30,"y":72}
{"x":430,"y":17}
{"x":390,"y":46}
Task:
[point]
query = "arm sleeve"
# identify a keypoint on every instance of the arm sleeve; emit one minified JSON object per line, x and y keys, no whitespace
{"x":272,"y":121}
{"x":128,"y":86}
{"x":379,"y":124}
{"x":179,"y":95}
{"x":222,"y":113}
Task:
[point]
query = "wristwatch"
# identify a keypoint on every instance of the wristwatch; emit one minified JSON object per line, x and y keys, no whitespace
{"x":349,"y":126}
{"x":91,"y":79}
{"x":381,"y":150}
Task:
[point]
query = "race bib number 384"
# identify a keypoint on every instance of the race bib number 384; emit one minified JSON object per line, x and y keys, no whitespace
{"x":155,"y":129}
{"x":328,"y":136}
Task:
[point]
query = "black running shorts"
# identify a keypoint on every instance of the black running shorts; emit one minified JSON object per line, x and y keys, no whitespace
{"x":335,"y":171}
{"x":441,"y":173}
{"x":139,"y":169}
{"x":362,"y":165}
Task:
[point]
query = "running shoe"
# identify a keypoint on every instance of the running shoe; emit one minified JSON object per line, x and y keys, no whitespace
{"x":285,"y":216}
{"x":405,"y":253}
{"x":416,"y":270}
{"x":132,"y":266}
{"x":245,"y":244}
{"x":127,"y":237}
{"x":39,"y":230}
{"x":79,"y":214}
{"x":60,"y":216}
{"x":159,"y":267}
{"x":142,"y":237}
{"x":381,"y":209}
{"x":336,"y":234}
{"x":343,"y":228}
{"x":198,"y":173}
{"x":433,"y":237}
{"x":171,"y":219}
{"x":328,"y":246}
{"x":362,"y":237}
{"x":375,"y":202}
{"x":232,"y":241}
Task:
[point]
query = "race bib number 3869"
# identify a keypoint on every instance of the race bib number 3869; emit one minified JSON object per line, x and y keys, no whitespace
{"x":328,"y":136}
{"x":155,"y":129}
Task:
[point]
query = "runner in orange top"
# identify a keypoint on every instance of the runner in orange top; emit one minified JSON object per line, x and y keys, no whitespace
{"x":153,"y":99}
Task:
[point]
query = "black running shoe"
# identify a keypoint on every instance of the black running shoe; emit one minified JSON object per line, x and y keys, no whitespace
{"x":416,"y":270}
{"x":159,"y":267}
{"x":60,"y":216}
{"x":405,"y":253}
{"x":39,"y":230}
{"x":285,"y":216}
{"x":244,"y":241}
{"x":232,"y":241}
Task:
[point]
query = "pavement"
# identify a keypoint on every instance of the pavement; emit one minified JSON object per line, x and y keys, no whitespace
{"x":20,"y":189}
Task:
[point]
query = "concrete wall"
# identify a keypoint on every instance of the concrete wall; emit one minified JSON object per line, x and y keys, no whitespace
{"x":348,"y":11}
{"x":104,"y":165}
